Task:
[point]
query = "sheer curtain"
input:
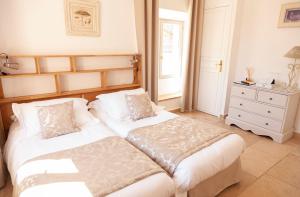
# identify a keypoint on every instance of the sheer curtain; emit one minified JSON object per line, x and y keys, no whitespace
{"x":192,"y":68}
{"x":151,"y":47}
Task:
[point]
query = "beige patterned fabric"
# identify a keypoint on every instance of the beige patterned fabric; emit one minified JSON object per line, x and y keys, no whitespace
{"x":103,"y":167}
{"x":56,"y":120}
{"x":168,"y":143}
{"x":139,"y":106}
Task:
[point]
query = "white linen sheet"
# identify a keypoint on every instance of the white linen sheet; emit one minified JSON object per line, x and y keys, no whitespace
{"x":195,"y":168}
{"x":20,"y":148}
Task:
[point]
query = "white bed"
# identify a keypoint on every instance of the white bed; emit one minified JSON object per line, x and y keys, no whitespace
{"x":194,"y":169}
{"x":20,"y":148}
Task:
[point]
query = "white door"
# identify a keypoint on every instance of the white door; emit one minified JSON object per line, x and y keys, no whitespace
{"x":214,"y":52}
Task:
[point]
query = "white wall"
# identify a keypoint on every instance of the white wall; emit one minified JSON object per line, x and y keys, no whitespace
{"x":261,"y":44}
{"x":38,"y":27}
{"x":179,"y":5}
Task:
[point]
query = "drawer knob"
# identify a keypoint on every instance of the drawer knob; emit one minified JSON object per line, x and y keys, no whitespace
{"x":239,"y":115}
{"x":243,"y":92}
{"x":269,"y":111}
{"x":271,"y":99}
{"x":241,"y":104}
{"x":267,"y":124}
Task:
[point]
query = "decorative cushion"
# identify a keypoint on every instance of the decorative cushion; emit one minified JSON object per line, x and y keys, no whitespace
{"x":27,"y":115}
{"x":139,"y":106}
{"x":56,"y":120}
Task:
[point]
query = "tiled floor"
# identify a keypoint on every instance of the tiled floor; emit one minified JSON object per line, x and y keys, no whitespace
{"x":268,"y":168}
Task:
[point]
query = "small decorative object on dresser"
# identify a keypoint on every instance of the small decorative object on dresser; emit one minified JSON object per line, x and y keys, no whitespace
{"x":2,"y":175}
{"x":269,"y":112}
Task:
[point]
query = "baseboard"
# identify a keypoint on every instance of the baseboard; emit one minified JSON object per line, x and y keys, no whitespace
{"x":297,"y":131}
{"x":297,"y":135}
{"x":175,"y":110}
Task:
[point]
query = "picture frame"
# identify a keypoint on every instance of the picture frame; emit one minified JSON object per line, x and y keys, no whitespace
{"x":82,"y":17}
{"x":290,"y":15}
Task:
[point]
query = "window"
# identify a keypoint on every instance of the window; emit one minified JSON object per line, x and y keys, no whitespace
{"x":171,"y":39}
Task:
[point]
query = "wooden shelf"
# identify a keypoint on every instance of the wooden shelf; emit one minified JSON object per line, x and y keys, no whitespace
{"x":66,"y":72}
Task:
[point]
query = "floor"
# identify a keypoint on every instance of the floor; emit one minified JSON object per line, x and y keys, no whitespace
{"x":268,"y":168}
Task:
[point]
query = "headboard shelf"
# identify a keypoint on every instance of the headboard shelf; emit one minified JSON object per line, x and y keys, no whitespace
{"x":134,"y":65}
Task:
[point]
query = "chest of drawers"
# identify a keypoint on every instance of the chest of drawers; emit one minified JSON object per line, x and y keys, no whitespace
{"x":263,"y":111}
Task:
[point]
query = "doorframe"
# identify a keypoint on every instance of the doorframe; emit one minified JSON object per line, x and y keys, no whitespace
{"x":228,"y":61}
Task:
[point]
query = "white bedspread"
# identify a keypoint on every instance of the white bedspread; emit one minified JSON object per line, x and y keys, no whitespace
{"x":20,"y":148}
{"x":199,"y":166}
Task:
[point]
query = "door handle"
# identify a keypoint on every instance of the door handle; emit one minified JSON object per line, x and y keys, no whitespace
{"x":220,"y":66}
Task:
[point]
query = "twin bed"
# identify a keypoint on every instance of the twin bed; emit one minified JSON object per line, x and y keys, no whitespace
{"x":72,"y":165}
{"x":111,"y":154}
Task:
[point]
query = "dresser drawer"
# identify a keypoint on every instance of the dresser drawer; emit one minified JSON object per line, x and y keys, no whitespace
{"x":260,"y":121}
{"x":271,"y":98}
{"x":243,"y":92}
{"x":265,"y":110}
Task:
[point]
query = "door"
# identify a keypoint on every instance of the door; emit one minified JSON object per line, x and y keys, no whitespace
{"x":215,"y":46}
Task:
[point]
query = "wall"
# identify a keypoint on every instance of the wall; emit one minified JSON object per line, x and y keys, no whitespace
{"x":38,"y":27}
{"x":179,"y":5}
{"x":140,"y":30}
{"x":261,"y":44}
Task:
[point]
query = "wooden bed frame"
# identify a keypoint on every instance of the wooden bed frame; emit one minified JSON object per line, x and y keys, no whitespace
{"x":89,"y":94}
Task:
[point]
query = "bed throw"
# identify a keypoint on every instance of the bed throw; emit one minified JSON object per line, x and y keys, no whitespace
{"x":169,"y":142}
{"x":104,"y":166}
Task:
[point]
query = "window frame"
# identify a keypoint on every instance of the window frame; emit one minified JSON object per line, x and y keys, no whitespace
{"x":160,"y":56}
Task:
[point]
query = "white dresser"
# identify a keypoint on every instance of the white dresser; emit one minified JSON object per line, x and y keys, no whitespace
{"x":263,"y":111}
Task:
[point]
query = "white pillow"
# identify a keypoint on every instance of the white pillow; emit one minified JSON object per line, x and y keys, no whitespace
{"x":115,"y":103}
{"x":27,"y":116}
{"x":97,"y":108}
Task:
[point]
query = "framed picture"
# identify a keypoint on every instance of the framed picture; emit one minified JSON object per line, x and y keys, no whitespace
{"x":290,"y":15}
{"x":82,"y":17}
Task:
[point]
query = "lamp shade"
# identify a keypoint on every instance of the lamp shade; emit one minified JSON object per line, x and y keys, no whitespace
{"x":293,"y":53}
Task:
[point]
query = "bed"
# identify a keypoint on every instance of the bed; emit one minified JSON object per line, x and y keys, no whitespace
{"x":52,"y":164}
{"x":204,"y":173}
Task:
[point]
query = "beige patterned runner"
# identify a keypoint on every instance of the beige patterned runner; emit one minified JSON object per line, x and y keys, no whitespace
{"x":168,"y":143}
{"x":104,"y":167}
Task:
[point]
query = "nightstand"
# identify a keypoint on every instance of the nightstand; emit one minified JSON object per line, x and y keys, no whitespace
{"x":2,"y":171}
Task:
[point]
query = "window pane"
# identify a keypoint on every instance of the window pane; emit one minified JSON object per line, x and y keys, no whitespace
{"x":171,"y":40}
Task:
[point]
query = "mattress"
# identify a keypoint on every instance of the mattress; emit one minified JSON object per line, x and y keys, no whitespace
{"x":19,"y":148}
{"x":195,"y":168}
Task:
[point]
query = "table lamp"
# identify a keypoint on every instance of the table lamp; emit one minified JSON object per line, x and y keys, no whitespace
{"x":294,"y":53}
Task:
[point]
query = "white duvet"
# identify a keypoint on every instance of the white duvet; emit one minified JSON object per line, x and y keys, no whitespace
{"x":196,"y":168}
{"x":20,"y":148}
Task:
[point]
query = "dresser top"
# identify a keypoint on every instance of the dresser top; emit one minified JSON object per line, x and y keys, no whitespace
{"x":274,"y":89}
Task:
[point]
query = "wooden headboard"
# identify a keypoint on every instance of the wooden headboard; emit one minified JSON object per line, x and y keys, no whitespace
{"x":89,"y":94}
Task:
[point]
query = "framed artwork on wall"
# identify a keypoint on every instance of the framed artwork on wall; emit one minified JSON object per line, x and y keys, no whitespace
{"x":290,"y":15}
{"x":82,"y":17}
